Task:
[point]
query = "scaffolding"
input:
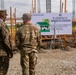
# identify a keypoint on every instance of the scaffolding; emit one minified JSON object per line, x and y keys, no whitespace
{"x":48,"y":6}
{"x":38,"y":6}
{"x":2,"y":4}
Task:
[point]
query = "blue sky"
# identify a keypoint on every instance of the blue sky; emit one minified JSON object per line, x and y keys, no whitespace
{"x":23,"y":6}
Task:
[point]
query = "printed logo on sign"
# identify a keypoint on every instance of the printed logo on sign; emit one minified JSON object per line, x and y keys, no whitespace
{"x":60,"y":14}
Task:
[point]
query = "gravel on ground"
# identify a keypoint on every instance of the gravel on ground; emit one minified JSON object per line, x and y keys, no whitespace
{"x":50,"y":62}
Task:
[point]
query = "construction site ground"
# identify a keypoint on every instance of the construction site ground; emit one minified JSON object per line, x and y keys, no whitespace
{"x":50,"y":62}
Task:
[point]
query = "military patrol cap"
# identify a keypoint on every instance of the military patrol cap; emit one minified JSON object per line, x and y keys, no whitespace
{"x":3,"y":12}
{"x":26,"y":16}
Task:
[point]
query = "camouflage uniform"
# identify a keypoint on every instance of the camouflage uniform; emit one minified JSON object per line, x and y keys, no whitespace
{"x":28,"y":38}
{"x":4,"y":58}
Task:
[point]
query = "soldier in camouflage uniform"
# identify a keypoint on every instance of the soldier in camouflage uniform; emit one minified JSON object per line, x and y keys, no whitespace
{"x":28,"y":39}
{"x":5,"y":45}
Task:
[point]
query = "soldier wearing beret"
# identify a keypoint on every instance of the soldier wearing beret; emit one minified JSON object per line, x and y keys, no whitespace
{"x":28,"y":39}
{"x":5,"y":44}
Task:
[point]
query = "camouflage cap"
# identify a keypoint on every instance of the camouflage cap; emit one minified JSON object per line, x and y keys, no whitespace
{"x":26,"y":16}
{"x":3,"y":12}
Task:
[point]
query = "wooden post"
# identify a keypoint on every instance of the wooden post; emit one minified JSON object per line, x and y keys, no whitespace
{"x":65,"y":7}
{"x":34,"y":6}
{"x":15,"y":19}
{"x":15,"y":15}
{"x":11,"y":21}
{"x":62,"y":8}
{"x":65,"y":35}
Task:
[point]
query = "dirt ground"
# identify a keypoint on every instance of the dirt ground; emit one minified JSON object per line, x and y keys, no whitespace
{"x":50,"y":62}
